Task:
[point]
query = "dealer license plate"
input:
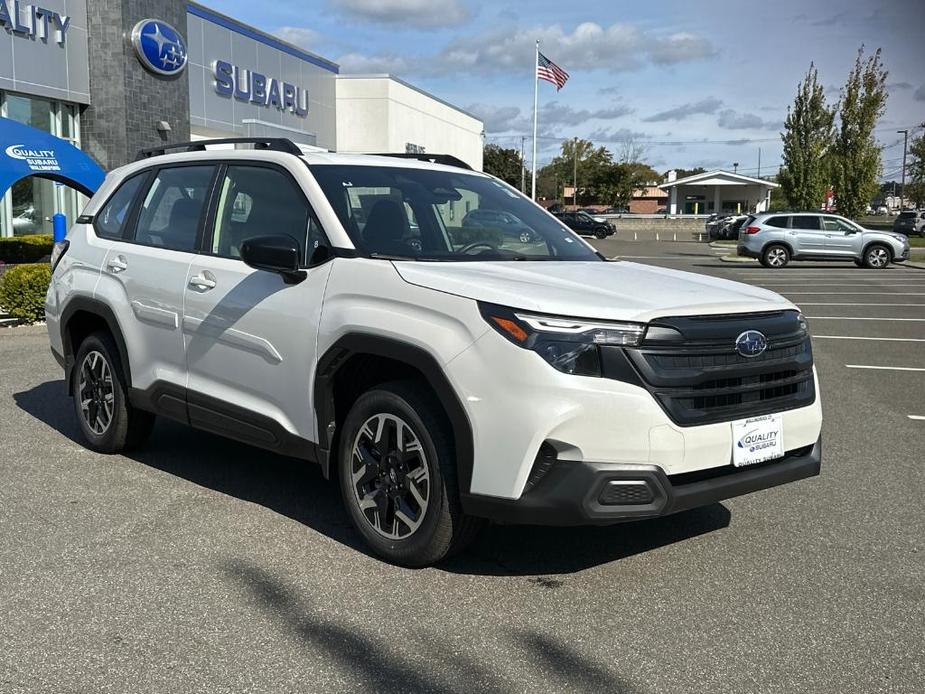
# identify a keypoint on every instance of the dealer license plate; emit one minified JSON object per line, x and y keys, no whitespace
{"x":757,"y":439}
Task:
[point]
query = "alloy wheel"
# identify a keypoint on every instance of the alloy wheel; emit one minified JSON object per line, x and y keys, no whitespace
{"x":96,"y":393}
{"x":777,"y":257}
{"x":878,"y":257}
{"x":390,"y":477}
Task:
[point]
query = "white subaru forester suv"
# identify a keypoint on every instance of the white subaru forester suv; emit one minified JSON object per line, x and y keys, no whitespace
{"x":334,"y":308}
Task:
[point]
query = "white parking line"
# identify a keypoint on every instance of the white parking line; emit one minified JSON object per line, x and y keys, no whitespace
{"x":916,"y":417}
{"x":825,"y":303}
{"x":913,"y":320}
{"x":877,"y":339}
{"x":883,"y":368}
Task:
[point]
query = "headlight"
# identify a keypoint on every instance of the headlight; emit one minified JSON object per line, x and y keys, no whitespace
{"x":570,"y":345}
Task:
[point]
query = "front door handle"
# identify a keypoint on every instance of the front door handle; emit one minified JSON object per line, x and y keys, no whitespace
{"x":203,"y":282}
{"x":117,"y":265}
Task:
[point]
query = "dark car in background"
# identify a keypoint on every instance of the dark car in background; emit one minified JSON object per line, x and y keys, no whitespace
{"x":505,"y":222}
{"x":910,"y":223}
{"x":584,"y":224}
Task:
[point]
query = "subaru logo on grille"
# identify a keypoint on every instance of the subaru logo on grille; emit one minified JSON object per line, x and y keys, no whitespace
{"x":159,"y":47}
{"x":751,"y":343}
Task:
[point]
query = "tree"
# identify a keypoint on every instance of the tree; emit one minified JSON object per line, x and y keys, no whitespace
{"x":915,"y":176}
{"x":807,"y":137}
{"x":856,"y":157}
{"x":684,"y":173}
{"x":589,"y":162}
{"x":504,"y":163}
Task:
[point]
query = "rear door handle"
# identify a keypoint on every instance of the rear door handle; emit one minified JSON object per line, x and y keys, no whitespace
{"x":117,"y":264}
{"x":203,"y":282}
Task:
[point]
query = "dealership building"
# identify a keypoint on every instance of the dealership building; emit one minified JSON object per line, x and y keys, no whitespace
{"x":112,"y":77}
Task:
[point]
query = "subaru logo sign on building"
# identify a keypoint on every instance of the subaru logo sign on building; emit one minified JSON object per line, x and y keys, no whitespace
{"x":751,"y":343}
{"x":159,"y":47}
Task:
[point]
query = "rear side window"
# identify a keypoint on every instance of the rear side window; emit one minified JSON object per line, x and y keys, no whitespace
{"x":173,"y":207}
{"x":109,"y":222}
{"x":778,"y":222}
{"x":805,"y":222}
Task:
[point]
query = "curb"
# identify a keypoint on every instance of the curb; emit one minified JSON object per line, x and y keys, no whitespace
{"x":719,"y":244}
{"x":736,"y":259}
{"x":911,"y":266}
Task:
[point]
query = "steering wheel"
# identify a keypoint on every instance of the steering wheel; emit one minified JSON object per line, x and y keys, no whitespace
{"x":478,"y":244}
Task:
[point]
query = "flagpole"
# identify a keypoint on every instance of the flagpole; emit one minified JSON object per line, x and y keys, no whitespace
{"x":536,"y":91}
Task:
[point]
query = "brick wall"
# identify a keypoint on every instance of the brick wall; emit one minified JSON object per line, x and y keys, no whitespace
{"x":127,"y":101}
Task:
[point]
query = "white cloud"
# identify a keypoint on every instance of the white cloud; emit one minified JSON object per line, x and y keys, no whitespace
{"x":356,"y":63}
{"x":733,"y":120}
{"x":300,"y":36}
{"x":497,"y":119}
{"x":708,"y":105}
{"x":920,"y":93}
{"x":680,"y":48}
{"x":501,"y":119}
{"x":417,"y":13}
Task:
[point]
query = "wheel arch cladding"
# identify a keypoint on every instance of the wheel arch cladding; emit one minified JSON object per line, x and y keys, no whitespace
{"x":357,"y":362}
{"x":82,"y":317}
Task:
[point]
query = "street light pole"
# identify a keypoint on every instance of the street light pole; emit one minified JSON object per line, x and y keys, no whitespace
{"x":523,"y":169}
{"x":735,"y":167}
{"x":902,"y":189}
{"x":575,"y":179}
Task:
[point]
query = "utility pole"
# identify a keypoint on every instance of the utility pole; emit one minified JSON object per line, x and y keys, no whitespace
{"x":575,"y":179}
{"x":759,"y":163}
{"x":902,"y":190}
{"x":523,"y":169}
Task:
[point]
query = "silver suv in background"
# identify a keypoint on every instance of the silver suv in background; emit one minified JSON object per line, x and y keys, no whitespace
{"x":776,"y":239}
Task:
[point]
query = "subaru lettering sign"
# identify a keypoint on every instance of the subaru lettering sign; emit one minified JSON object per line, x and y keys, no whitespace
{"x":253,"y":87}
{"x":751,"y":343}
{"x":159,"y":47}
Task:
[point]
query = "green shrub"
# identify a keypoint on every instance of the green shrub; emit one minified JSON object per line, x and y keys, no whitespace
{"x":464,"y":236}
{"x":25,"y":249}
{"x":22,"y":291}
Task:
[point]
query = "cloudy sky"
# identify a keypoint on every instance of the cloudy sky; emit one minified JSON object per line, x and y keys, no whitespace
{"x":702,"y":83}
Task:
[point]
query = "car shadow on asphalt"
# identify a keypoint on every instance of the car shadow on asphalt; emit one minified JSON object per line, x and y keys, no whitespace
{"x":417,"y":661}
{"x":298,"y":491}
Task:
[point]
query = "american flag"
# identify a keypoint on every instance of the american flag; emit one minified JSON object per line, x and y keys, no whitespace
{"x":549,"y":71}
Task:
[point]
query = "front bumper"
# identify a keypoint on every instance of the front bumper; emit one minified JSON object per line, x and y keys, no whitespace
{"x":576,"y":493}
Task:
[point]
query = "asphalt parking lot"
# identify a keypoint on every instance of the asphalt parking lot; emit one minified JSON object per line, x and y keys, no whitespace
{"x":198,"y":564}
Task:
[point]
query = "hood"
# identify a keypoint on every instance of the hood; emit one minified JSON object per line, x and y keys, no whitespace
{"x":605,"y":290}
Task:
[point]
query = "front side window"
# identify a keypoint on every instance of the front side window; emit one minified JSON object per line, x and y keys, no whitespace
{"x":835,"y":224}
{"x":110,"y":221}
{"x":173,"y":207}
{"x":409,"y":213}
{"x":260,"y":201}
{"x":804,"y":222}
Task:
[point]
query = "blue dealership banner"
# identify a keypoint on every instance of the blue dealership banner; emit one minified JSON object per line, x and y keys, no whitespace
{"x":27,"y":151}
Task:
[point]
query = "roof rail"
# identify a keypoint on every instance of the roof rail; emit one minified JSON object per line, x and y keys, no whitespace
{"x":275,"y":144}
{"x":445,"y":159}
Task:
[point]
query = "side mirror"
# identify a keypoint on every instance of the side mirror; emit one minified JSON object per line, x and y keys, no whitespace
{"x":279,"y":254}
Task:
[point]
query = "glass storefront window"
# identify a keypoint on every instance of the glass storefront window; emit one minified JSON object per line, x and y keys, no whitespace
{"x":32,"y":111}
{"x":28,"y":206}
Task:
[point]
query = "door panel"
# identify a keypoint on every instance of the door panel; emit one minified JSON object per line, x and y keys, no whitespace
{"x":807,"y":235}
{"x":250,"y":338}
{"x":145,"y":269}
{"x":841,"y":238}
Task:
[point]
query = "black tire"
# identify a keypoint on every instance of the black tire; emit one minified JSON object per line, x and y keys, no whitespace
{"x":600,"y":234}
{"x":775,"y":255}
{"x":859,"y":263}
{"x":877,"y":256}
{"x":442,"y":529}
{"x":126,"y":427}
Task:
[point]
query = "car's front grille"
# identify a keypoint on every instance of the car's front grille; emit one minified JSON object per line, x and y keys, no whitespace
{"x":701,"y":379}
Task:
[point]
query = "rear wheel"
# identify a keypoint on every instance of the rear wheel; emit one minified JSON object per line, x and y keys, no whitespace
{"x":877,"y":257}
{"x":398,"y":476}
{"x":108,"y":421}
{"x":775,"y":256}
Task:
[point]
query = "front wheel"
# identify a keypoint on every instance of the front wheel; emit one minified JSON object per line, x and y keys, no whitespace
{"x":397,"y":476}
{"x":877,"y":257}
{"x":775,"y":256}
{"x":600,"y":234}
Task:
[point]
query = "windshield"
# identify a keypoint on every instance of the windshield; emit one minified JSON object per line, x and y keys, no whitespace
{"x":423,"y":214}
